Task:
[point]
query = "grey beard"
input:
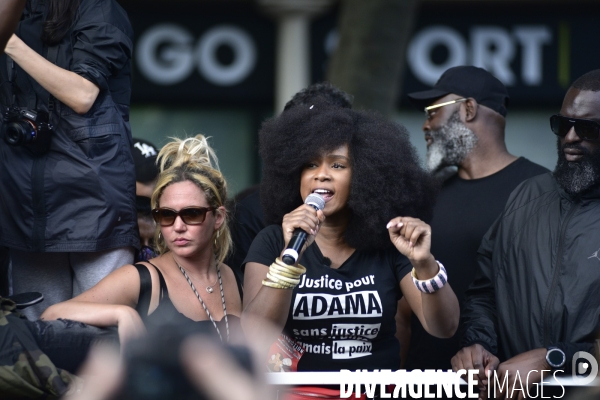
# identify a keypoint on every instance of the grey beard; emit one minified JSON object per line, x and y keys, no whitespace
{"x":577,"y":177}
{"x":452,"y":142}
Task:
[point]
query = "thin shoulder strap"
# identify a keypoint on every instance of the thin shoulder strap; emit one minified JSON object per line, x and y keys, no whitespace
{"x":163,"y":285}
{"x":143,"y":305}
{"x":145,"y":290}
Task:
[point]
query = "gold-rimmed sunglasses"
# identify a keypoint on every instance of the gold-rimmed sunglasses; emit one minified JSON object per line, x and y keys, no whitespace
{"x":447,"y":103}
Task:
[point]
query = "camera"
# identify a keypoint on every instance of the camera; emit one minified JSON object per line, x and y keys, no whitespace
{"x":28,"y":128}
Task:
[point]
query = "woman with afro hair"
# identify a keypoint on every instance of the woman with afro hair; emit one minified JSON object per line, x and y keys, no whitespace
{"x":361,"y":247}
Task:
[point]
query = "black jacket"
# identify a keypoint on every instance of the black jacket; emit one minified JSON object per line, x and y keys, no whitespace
{"x":80,"y":195}
{"x":539,"y":274}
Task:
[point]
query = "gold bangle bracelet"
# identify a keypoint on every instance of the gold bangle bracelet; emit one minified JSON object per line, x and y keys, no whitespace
{"x":299,"y":269}
{"x":273,"y":279}
{"x":283,"y":271}
{"x":278,"y":268}
{"x":291,"y":269}
{"x":276,"y":285}
{"x":277,"y":279}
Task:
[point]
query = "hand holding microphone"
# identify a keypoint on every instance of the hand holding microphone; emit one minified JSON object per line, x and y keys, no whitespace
{"x":306,"y":223}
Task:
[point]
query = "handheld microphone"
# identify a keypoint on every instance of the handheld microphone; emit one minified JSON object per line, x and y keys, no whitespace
{"x":292,"y":252}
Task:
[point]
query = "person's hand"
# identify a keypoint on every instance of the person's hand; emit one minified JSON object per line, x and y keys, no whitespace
{"x":476,"y":357}
{"x":306,"y":218}
{"x":212,"y":369}
{"x":130,"y":325}
{"x":411,"y":236}
{"x":101,"y":375}
{"x":529,"y":366}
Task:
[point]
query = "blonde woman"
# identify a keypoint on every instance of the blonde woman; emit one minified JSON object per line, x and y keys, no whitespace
{"x":192,"y":239}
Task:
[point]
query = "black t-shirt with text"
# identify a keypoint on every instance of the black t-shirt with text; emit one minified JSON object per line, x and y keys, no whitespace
{"x":344,"y":317}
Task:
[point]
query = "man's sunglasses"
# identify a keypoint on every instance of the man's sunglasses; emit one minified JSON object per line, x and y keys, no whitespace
{"x":189,"y":215}
{"x":586,"y":129}
{"x":428,"y":110}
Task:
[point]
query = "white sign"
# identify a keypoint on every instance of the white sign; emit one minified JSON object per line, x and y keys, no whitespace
{"x":166,"y":54}
{"x":491,"y":47}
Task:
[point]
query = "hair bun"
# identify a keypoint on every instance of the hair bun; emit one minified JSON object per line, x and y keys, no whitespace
{"x":191,"y":150}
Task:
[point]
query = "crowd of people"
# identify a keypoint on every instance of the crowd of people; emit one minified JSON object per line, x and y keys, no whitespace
{"x":478,"y":259}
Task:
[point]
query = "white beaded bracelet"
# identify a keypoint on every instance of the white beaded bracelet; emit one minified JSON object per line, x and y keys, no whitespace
{"x":431,"y":285}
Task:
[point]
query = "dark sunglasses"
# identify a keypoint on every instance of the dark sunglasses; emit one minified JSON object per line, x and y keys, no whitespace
{"x":586,"y":129}
{"x":189,"y":215}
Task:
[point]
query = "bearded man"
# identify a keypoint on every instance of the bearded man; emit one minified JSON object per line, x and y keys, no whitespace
{"x":464,"y":128}
{"x":534,"y":304}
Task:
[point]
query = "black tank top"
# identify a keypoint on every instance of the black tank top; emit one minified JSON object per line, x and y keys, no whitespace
{"x":165,"y":305}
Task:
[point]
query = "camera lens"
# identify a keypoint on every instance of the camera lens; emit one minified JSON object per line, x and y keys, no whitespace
{"x":20,"y":132}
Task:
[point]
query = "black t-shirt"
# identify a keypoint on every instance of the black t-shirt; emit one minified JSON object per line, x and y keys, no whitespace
{"x":343,"y":317}
{"x":463,"y":213}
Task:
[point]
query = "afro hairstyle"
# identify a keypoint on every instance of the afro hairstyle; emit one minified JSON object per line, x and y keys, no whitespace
{"x":387,"y":178}
{"x":326,"y":90}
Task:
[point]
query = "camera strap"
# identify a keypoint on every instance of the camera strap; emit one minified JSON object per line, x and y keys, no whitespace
{"x":11,"y":70}
{"x":52,"y":57}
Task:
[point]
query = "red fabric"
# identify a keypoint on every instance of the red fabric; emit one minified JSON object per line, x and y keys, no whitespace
{"x":313,"y":392}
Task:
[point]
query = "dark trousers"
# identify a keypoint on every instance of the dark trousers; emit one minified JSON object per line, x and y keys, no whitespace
{"x":67,"y":342}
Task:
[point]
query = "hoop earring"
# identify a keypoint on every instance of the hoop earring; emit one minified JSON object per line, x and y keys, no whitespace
{"x":160,"y":235}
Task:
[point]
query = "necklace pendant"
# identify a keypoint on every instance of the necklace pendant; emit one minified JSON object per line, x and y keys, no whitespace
{"x":209,"y":289}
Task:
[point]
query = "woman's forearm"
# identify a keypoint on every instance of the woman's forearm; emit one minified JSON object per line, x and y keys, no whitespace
{"x":441,"y":312}
{"x":127,"y":320}
{"x":440,"y":309}
{"x":71,"y":89}
{"x":263,"y":305}
{"x":438,"y":312}
{"x":271,"y":305}
{"x":101,"y":315}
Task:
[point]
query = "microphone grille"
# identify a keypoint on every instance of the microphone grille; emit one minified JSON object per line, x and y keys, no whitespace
{"x":315,"y":200}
